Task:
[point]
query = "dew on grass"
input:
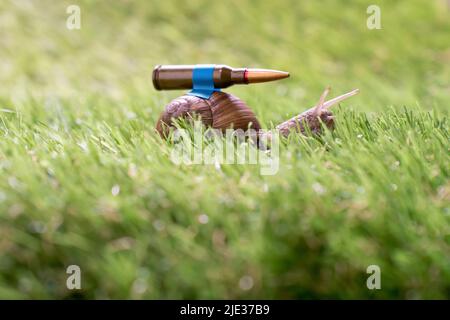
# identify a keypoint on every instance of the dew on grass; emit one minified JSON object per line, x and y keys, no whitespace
{"x":115,"y":190}
{"x":246,"y":283}
{"x":139,"y":286}
{"x":83,"y":145}
{"x":318,"y":188}
{"x":130,"y":115}
{"x":132,"y":170}
{"x":203,"y":219}
{"x":394,"y":166}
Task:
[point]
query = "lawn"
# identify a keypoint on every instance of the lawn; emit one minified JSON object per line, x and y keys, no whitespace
{"x":86,"y":181}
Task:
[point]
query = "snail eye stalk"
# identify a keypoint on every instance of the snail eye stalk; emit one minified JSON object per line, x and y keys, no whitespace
{"x":319,"y":107}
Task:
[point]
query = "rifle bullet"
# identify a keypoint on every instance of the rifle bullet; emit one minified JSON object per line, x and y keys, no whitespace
{"x":172,"y":77}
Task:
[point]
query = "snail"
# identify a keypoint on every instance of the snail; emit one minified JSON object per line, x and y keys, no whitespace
{"x":224,"y":110}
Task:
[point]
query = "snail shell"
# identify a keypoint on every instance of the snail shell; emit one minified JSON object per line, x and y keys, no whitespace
{"x":221,"y":111}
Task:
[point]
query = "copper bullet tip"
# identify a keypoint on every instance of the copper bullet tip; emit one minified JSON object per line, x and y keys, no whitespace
{"x":264,"y":75}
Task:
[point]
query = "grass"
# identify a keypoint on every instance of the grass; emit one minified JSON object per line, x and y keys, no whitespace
{"x":85,"y":180}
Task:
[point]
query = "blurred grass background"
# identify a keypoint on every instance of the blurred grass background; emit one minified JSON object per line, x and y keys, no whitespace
{"x":85,"y":180}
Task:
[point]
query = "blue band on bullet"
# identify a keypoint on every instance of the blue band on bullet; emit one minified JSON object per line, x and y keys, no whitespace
{"x":203,"y":81}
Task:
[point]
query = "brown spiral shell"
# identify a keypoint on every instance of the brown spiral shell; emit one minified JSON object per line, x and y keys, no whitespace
{"x":221,"y":111}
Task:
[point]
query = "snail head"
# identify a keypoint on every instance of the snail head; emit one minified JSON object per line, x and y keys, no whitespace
{"x":321,"y":112}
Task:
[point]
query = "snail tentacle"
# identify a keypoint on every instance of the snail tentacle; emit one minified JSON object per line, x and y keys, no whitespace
{"x":340,"y":98}
{"x":319,"y":106}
